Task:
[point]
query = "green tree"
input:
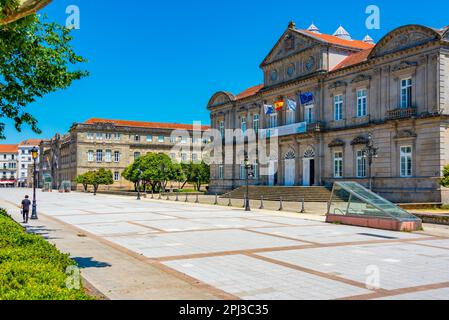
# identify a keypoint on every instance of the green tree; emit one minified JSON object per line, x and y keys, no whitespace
{"x":36,"y":58}
{"x":197,"y":174}
{"x":445,"y":179}
{"x":85,"y":180}
{"x":101,"y":177}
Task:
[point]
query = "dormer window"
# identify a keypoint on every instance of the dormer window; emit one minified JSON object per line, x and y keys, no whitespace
{"x":273,"y":75}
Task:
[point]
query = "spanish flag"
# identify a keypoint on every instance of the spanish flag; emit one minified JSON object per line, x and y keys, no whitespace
{"x":279,"y":105}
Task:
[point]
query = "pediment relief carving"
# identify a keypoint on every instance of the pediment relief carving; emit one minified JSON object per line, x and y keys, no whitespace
{"x":360,"y":78}
{"x":405,"y":134}
{"x":359,"y":141}
{"x":338,"y":84}
{"x":404,"y":38}
{"x":404,"y":65}
{"x":337,"y":143}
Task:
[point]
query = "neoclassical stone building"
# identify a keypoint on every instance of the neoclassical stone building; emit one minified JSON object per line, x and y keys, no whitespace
{"x":114,"y":145}
{"x":397,"y":91}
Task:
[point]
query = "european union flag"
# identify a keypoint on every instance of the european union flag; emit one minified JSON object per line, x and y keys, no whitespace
{"x":306,"y":98}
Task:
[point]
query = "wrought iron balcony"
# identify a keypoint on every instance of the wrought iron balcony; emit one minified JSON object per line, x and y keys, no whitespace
{"x":401,"y":113}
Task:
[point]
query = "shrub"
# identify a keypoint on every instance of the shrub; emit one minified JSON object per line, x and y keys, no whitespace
{"x":31,"y":268}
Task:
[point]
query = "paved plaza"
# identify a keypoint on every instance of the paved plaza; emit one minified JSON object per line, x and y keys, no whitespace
{"x":226,"y":253}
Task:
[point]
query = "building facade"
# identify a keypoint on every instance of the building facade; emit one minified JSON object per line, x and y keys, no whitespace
{"x":114,"y":145}
{"x":8,"y":165}
{"x":25,"y":160}
{"x":344,"y":91}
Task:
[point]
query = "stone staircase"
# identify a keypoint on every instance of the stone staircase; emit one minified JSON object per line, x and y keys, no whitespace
{"x":288,"y":194}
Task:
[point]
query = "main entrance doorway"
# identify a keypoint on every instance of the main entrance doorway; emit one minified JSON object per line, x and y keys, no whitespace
{"x":308,"y":167}
{"x":290,"y":169}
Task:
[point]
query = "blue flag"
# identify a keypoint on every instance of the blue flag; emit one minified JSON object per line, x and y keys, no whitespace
{"x":306,"y":98}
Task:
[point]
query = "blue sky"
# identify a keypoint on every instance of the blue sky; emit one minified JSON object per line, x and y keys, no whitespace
{"x":163,"y":61}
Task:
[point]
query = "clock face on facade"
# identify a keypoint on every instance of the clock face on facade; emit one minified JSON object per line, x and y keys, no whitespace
{"x":310,"y":63}
{"x":273,"y":75}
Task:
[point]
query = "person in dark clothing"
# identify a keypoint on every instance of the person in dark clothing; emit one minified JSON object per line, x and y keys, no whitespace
{"x":26,"y":203}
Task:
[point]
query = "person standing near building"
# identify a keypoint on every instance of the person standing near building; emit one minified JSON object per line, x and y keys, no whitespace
{"x":25,"y":206}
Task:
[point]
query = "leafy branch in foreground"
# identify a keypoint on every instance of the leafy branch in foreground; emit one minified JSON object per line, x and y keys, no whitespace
{"x":36,"y":58}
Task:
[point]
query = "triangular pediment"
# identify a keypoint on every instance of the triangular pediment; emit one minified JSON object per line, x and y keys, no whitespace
{"x":291,"y":42}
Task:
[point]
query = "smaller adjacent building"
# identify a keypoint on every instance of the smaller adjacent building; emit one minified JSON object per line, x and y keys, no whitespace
{"x":8,"y":165}
{"x":25,"y":160}
{"x":114,"y":145}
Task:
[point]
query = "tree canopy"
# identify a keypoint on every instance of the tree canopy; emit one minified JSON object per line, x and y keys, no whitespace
{"x":36,"y":58}
{"x":445,"y":179}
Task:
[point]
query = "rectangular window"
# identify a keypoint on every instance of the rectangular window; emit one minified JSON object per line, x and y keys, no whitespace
{"x":406,"y":93}
{"x":116,"y":156}
{"x":194,"y":157}
{"x":108,"y":136}
{"x":338,"y":165}
{"x":172,"y":156}
{"x":338,"y":107}
{"x":99,"y":136}
{"x":136,"y":138}
{"x":291,"y":117}
{"x":243,"y":124}
{"x":221,"y":127}
{"x":184,"y":140}
{"x":172,"y":139}
{"x":136,"y":155}
{"x":160,"y":139}
{"x":184,"y":157}
{"x":116,"y":176}
{"x":90,"y":136}
{"x":99,"y":155}
{"x":361,"y":164}
{"x":242,"y":172}
{"x":406,"y":161}
{"x":149,"y":138}
{"x":256,"y":123}
{"x":117,"y":136}
{"x":221,"y":172}
{"x":108,"y":156}
{"x":309,"y":114}
{"x":273,"y":121}
{"x":361,"y":103}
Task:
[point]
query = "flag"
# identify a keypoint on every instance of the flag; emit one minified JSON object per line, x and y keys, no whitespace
{"x":306,"y":98}
{"x":291,"y":105}
{"x":269,"y":109}
{"x":279,"y":105}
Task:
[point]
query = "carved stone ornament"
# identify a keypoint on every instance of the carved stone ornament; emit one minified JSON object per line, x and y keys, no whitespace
{"x":359,"y":141}
{"x":337,"y":143}
{"x":405,"y":65}
{"x":406,"y":134}
{"x":338,"y":84}
{"x":360,"y":78}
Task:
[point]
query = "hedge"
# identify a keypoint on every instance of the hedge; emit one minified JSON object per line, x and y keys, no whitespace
{"x":31,"y":268}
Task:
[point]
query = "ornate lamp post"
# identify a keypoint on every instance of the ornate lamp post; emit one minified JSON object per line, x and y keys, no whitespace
{"x":248,"y":175}
{"x":25,"y":8}
{"x":371,"y":153}
{"x":34,"y":155}
{"x":139,"y":176}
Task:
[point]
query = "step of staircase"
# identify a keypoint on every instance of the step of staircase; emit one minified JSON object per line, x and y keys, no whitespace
{"x":288,"y":194}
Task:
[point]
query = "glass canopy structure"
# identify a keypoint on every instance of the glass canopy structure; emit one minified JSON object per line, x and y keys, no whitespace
{"x":351,"y":203}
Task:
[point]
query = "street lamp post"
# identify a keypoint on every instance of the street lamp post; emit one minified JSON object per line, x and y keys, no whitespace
{"x":371,"y":153}
{"x":139,"y":176}
{"x":34,"y":155}
{"x":248,"y":174}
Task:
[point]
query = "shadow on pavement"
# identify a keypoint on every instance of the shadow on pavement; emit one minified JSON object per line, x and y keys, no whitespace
{"x":85,"y":263}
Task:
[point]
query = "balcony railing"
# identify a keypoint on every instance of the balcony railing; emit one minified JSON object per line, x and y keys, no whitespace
{"x":401,"y":113}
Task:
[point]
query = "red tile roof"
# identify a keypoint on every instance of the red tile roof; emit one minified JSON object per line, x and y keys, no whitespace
{"x":249,"y":92}
{"x":9,"y":148}
{"x":31,"y":142}
{"x":353,"y":59}
{"x":357,"y":44}
{"x":141,"y":124}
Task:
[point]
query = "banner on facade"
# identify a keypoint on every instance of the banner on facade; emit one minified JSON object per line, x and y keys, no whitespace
{"x":296,"y":128}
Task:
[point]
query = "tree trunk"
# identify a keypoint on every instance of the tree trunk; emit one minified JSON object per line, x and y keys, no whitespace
{"x":95,"y":190}
{"x":184,"y":184}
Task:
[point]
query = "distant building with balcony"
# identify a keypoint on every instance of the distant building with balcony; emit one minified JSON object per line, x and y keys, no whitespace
{"x":396,"y":90}
{"x":25,"y":160}
{"x":8,"y":165}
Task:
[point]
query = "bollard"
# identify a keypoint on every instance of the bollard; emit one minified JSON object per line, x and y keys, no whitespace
{"x":216,"y":200}
{"x":303,"y":207}
{"x":177,"y":197}
{"x":187,"y":198}
{"x":230,"y":202}
{"x":261,"y":203}
{"x":160,"y":196}
{"x":281,"y":206}
{"x":197,"y":200}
